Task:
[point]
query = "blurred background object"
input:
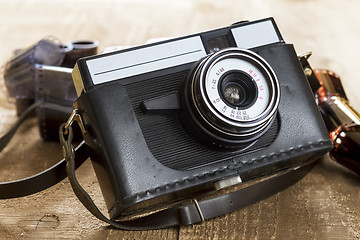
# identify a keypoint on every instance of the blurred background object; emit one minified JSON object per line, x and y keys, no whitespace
{"x":41,"y":74}
{"x":341,"y":120}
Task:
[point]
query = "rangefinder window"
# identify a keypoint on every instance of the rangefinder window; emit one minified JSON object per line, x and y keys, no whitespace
{"x":217,"y":43}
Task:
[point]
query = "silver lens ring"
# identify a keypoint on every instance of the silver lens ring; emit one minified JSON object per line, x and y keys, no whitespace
{"x":236,"y":92}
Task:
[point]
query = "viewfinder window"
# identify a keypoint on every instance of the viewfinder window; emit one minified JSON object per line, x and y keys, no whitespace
{"x":218,"y":43}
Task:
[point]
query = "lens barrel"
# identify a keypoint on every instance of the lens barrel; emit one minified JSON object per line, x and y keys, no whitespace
{"x":230,"y":98}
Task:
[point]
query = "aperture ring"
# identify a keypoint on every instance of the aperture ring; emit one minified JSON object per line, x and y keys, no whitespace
{"x":228,"y":120}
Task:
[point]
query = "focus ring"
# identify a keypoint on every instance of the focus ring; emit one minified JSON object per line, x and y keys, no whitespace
{"x":253,"y":85}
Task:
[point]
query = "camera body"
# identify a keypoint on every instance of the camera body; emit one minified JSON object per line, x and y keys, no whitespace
{"x":188,"y":117}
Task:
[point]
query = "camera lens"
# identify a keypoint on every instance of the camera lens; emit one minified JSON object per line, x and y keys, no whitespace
{"x":238,"y":89}
{"x":231,"y":97}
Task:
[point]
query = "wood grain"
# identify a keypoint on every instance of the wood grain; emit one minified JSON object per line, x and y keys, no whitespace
{"x":323,"y":205}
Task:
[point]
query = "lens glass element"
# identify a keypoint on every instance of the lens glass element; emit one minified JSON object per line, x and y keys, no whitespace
{"x":238,"y":89}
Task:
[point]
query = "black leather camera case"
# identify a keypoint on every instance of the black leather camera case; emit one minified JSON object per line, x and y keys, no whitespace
{"x":147,"y":160}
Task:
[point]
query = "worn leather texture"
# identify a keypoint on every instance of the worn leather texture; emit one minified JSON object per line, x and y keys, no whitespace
{"x":129,"y":174}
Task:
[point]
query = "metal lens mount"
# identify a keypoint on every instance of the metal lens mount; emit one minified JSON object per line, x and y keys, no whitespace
{"x":232,"y":96}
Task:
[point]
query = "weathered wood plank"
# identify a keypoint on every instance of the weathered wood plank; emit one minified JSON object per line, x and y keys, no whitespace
{"x":324,"y":205}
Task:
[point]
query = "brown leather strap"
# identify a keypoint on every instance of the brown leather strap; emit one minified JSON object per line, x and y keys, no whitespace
{"x":42,"y":180}
{"x":195,"y":212}
{"x":188,"y":214}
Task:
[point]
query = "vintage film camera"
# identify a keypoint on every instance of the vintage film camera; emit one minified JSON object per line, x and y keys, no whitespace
{"x":41,"y":74}
{"x":186,"y":118}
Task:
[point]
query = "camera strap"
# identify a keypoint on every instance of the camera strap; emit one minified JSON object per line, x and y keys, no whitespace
{"x":187,"y":214}
{"x":42,"y":180}
{"x":193,"y":212}
{"x":309,"y":72}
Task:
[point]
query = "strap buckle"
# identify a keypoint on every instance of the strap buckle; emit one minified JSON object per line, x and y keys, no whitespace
{"x":191,"y":213}
{"x":75,"y":116}
{"x":308,"y":71}
{"x":199,"y":210}
{"x":305,"y":64}
{"x":66,"y":134}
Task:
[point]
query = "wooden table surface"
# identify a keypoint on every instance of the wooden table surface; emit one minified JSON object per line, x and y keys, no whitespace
{"x":323,"y":205}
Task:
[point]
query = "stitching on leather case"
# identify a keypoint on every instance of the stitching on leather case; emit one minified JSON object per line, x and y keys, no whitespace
{"x":231,"y":167}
